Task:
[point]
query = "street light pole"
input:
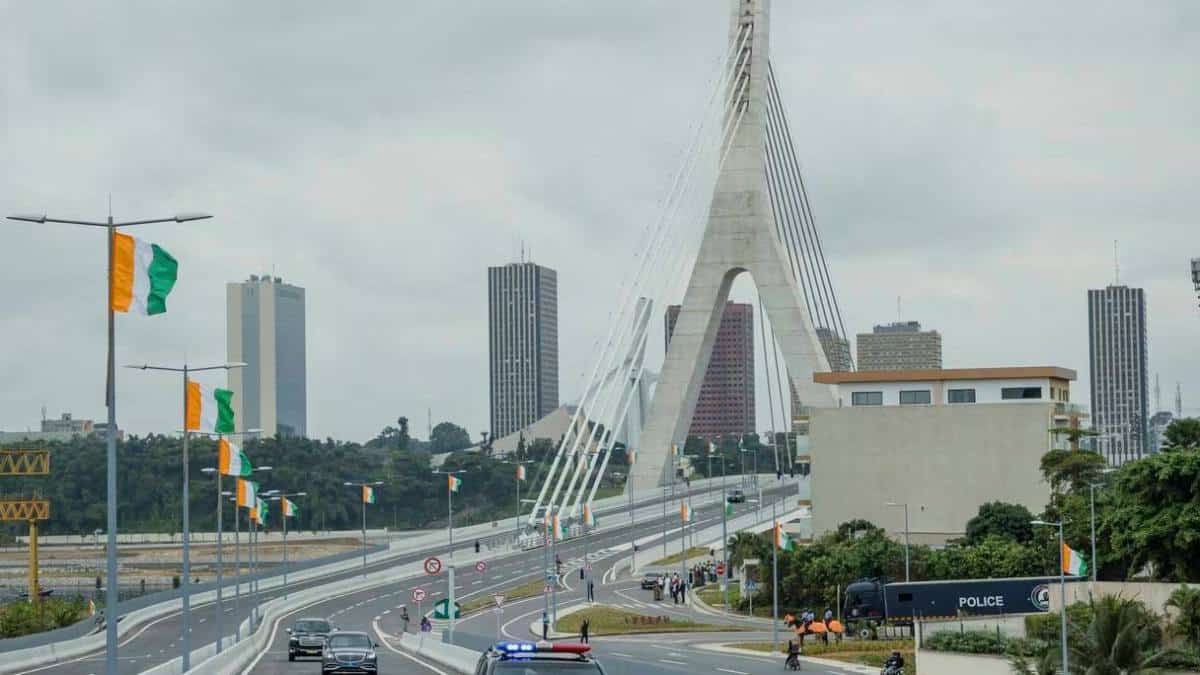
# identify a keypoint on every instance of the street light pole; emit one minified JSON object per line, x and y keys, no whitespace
{"x":185,"y":642}
{"x":774,"y":576}
{"x":724,"y":534}
{"x":112,"y":595}
{"x":1062,"y":585}
{"x":450,"y":602}
{"x":362,"y":498}
{"x":906,"y":540}
{"x":284,"y":500}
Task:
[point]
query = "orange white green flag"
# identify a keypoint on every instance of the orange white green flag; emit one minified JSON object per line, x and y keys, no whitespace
{"x":520,"y":472}
{"x":143,"y":274}
{"x":589,"y":518}
{"x":685,"y":513}
{"x":368,"y":494}
{"x":260,"y":511}
{"x":453,"y":483}
{"x":208,"y":409}
{"x":1073,"y":562}
{"x":247,"y":493}
{"x":231,"y":461}
{"x":783,"y":540}
{"x":288,"y":507}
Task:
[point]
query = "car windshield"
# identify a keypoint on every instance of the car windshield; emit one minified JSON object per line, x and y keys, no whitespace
{"x":541,"y":667}
{"x":311,"y":627}
{"x":351,"y":640}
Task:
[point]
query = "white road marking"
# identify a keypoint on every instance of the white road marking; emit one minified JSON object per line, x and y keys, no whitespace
{"x":735,"y":672}
{"x":674,"y":663}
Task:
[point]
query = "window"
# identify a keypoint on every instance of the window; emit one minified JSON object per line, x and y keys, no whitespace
{"x":866,"y":398}
{"x":916,"y":397}
{"x":1008,"y":393}
{"x":960,"y":396}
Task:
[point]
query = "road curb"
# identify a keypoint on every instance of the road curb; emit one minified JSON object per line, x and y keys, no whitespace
{"x":830,"y":663}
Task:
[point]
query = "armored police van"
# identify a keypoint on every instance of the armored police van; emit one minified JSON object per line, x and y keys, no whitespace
{"x":877,"y":601}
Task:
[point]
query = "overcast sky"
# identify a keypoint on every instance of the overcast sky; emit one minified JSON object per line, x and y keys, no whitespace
{"x":977,"y":160}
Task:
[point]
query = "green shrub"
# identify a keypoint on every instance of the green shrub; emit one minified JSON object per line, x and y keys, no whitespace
{"x":968,"y":642}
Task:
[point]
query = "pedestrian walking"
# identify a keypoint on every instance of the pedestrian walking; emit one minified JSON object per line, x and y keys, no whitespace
{"x":591,"y":590}
{"x":545,"y":625}
{"x":404,"y":619}
{"x":584,"y":627}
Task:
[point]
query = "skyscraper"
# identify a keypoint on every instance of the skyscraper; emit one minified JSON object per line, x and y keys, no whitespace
{"x":265,"y":329}
{"x":1118,"y":360}
{"x":726,"y":402}
{"x":899,"y":346}
{"x":522,"y":345}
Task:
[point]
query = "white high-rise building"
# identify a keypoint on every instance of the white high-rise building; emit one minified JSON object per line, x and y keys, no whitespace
{"x":1118,"y":363}
{"x":265,"y":329}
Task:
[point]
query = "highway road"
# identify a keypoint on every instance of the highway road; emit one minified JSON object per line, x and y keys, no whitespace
{"x":378,"y":611}
{"x":158,"y":641}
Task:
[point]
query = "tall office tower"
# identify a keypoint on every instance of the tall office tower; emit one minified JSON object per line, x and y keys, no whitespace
{"x":1118,"y":360}
{"x":265,"y":329}
{"x":522,"y":345}
{"x":726,"y":403}
{"x":900,"y":346}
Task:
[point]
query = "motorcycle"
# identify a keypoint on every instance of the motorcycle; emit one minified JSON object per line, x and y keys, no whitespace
{"x":892,"y":670}
{"x":793,"y":662}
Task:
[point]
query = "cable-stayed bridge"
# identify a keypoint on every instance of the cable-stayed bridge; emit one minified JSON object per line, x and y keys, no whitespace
{"x":737,"y":204}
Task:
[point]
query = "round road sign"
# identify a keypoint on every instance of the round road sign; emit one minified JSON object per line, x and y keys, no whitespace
{"x":720,"y":569}
{"x":481,"y":567}
{"x":433,"y":566}
{"x":418,"y":594}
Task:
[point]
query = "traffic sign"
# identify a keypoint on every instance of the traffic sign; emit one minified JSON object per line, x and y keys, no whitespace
{"x":433,"y":566}
{"x":418,"y":594}
{"x":499,"y":598}
{"x":750,"y":585}
{"x":547,"y":589}
{"x":720,"y":569}
{"x":440,"y":610}
{"x":481,"y":567}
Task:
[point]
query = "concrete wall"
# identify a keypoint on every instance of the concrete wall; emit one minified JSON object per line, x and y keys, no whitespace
{"x":944,"y":461}
{"x":1153,"y":595}
{"x":948,"y":663}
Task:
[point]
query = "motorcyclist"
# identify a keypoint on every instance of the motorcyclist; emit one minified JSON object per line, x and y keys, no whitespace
{"x":894,"y":663}
{"x":793,"y":654}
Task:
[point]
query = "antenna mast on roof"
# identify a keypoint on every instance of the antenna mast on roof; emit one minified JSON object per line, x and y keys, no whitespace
{"x":1116,"y":265}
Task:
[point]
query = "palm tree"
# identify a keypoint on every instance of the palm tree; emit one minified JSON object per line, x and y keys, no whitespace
{"x":1118,"y":640}
{"x":1186,"y":601}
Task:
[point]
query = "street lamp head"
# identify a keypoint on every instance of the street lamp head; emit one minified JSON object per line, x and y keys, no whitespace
{"x":263,"y":468}
{"x":300,"y":494}
{"x":29,"y":218}
{"x":185,"y":217}
{"x":226,"y":493}
{"x":378,"y":482}
{"x":208,"y":469}
{"x":236,"y":364}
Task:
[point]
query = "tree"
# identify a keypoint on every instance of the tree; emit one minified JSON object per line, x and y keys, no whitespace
{"x":1182,"y":434}
{"x":1186,"y":602}
{"x":999,"y":519}
{"x":448,"y":437}
{"x":1122,"y":637}
{"x":1154,"y":518}
{"x":1072,"y":468}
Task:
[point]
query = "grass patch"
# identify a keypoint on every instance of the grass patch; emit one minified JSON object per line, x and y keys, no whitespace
{"x":613,"y":621}
{"x":863,"y":652}
{"x":693,"y":552}
{"x":484,"y":600}
{"x":712,"y":595}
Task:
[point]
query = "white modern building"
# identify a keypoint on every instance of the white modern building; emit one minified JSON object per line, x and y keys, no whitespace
{"x":944,"y":442}
{"x":265,"y":327}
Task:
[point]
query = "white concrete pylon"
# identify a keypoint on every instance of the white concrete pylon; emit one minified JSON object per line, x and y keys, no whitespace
{"x":740,"y":236}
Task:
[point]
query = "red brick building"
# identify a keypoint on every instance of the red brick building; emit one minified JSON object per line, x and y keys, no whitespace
{"x":726,"y":403}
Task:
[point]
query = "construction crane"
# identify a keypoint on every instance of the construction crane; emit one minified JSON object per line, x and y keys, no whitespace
{"x":27,"y":462}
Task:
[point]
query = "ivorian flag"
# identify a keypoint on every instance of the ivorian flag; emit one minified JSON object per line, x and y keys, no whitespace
{"x":247,"y":493}
{"x":783,"y":541}
{"x":368,"y":494}
{"x":454,"y":483}
{"x":685,"y":513}
{"x":712,"y":448}
{"x":1073,"y":562}
{"x":288,"y":507}
{"x":208,"y":409}
{"x":142,"y":276}
{"x":520,"y":472}
{"x":674,"y":449}
{"x":589,"y":518}
{"x":231,"y":460}
{"x":260,"y":512}
{"x":557,"y":528}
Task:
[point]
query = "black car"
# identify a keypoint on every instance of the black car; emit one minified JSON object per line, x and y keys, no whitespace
{"x":541,"y":657}
{"x":349,"y":652}
{"x":736,"y":497}
{"x":650,"y":580}
{"x":307,"y":637}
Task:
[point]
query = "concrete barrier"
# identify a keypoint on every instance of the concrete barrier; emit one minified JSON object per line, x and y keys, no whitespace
{"x":452,"y":657}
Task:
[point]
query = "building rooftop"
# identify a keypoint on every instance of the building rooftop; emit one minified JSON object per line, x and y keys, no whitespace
{"x":938,"y":375}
